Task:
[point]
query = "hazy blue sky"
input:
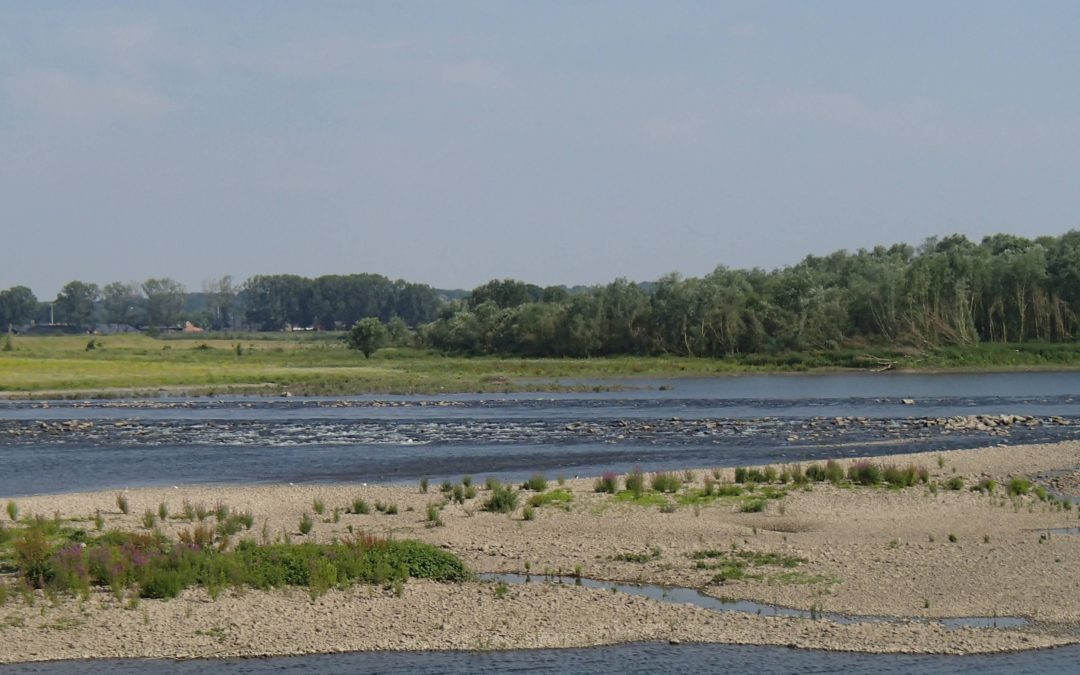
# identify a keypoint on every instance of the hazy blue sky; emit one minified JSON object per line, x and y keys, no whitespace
{"x":555,"y":142}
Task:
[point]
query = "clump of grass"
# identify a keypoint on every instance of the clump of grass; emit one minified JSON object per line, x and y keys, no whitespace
{"x":740,"y":474}
{"x":163,"y":511}
{"x":12,"y":510}
{"x":99,"y":520}
{"x":952,"y":538}
{"x":1019,"y":486}
{"x":769,"y":475}
{"x":834,"y":473}
{"x":816,"y":472}
{"x":955,"y":483}
{"x":459,"y":494}
{"x":502,"y":500}
{"x":318,"y":506}
{"x":221,"y":511}
{"x":666,"y":482}
{"x":360,"y":507}
{"x":122,"y":503}
{"x":434,"y":518}
{"x":201,"y":512}
{"x":537,"y":483}
{"x":528,"y":512}
{"x":941,"y":461}
{"x":470,"y":491}
{"x":864,"y":473}
{"x":188,"y":511}
{"x":689,"y":476}
{"x":424,"y":484}
{"x":900,"y":477}
{"x":607,"y":482}
{"x":467,"y":480}
{"x":635,"y":482}
{"x":306,"y":523}
{"x":491,"y":482}
{"x":753,"y":506}
{"x":446,"y":486}
{"x":149,"y":519}
{"x":985,"y":485}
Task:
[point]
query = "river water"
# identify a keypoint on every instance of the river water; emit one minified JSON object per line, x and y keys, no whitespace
{"x":62,"y":446}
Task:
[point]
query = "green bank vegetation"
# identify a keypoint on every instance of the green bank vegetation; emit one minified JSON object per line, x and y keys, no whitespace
{"x":58,"y":557}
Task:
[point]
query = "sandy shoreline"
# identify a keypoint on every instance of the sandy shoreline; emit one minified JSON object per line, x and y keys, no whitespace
{"x":865,"y":551}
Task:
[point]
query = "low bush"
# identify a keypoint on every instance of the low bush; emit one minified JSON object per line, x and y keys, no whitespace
{"x":864,"y":473}
{"x":834,"y":473}
{"x":666,"y":482}
{"x":502,"y":500}
{"x":1019,"y":486}
{"x":608,"y":482}
{"x":306,"y":523}
{"x":360,"y":507}
{"x":635,"y":482}
{"x":955,"y":483}
{"x":740,"y":474}
{"x":537,"y":483}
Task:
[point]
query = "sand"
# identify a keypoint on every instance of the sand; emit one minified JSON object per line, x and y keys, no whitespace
{"x":867,"y":551}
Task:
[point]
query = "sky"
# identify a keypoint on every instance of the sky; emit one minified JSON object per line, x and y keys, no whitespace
{"x":450,"y":143}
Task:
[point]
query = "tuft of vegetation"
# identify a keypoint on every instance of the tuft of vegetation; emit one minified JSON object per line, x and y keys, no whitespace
{"x":360,"y":507}
{"x":502,"y":500}
{"x":635,"y":482}
{"x":434,"y":517}
{"x":653,"y":553}
{"x":306,"y":523}
{"x":12,"y":510}
{"x":317,"y":505}
{"x":864,"y":473}
{"x":955,"y":483}
{"x":149,"y":519}
{"x":607,"y":482}
{"x":558,"y":496}
{"x":424,"y":484}
{"x":122,"y":503}
{"x":753,"y":506}
{"x":666,"y":482}
{"x":537,"y":483}
{"x":1019,"y":486}
{"x":528,"y":512}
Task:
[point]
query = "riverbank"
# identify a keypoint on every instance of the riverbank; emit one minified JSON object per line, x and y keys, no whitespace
{"x":274,"y":364}
{"x":920,"y":552}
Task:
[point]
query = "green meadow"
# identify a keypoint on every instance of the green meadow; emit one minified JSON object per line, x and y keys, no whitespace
{"x":319,"y":363}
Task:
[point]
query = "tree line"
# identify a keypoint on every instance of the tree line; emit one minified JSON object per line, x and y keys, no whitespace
{"x":947,"y":291}
{"x":263,"y":302}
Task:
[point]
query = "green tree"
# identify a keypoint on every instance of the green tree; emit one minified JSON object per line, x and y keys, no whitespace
{"x":75,"y":303}
{"x":122,"y":302}
{"x":367,"y":335}
{"x":17,"y":306}
{"x":164,"y":301}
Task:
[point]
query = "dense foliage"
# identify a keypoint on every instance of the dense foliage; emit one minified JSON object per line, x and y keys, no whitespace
{"x":947,"y":292}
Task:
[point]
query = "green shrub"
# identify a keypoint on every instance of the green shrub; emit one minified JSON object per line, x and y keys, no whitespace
{"x":816,"y":472}
{"x":753,"y":506}
{"x":360,"y":507}
{"x":537,"y":483}
{"x":424,"y":484}
{"x":607,"y":482}
{"x":317,"y":505}
{"x":528,"y":512}
{"x":13,"y":510}
{"x":502,"y":500}
{"x":864,"y":473}
{"x":434,"y":518}
{"x":834,"y":473}
{"x":740,"y":474}
{"x":1019,"y":486}
{"x":635,"y":482}
{"x":163,"y":511}
{"x":466,"y":480}
{"x":306,"y":523}
{"x":666,"y":482}
{"x":769,"y":475}
{"x":459,"y":494}
{"x":122,"y":503}
{"x":149,"y":519}
{"x":955,"y":483}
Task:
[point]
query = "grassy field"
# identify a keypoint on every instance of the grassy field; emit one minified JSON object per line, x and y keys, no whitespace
{"x":320,"y":364}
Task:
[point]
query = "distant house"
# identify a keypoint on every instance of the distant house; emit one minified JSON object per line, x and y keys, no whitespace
{"x":190,"y":328}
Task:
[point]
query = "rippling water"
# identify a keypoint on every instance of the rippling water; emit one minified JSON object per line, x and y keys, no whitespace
{"x":657,"y":424}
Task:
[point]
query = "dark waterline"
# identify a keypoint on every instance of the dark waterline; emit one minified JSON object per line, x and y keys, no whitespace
{"x":632,"y":659}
